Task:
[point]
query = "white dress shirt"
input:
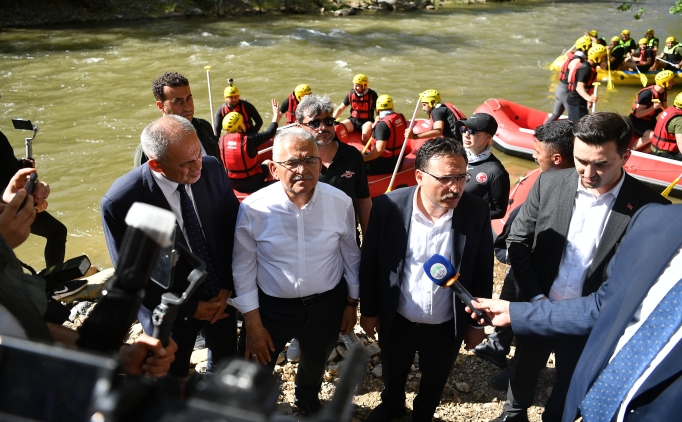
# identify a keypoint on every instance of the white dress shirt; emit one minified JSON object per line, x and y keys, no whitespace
{"x":421,"y":300}
{"x":665,"y":282}
{"x":290,"y":253}
{"x":589,"y":218}
{"x":170,"y":191}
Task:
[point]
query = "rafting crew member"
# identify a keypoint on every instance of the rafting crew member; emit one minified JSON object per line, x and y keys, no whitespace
{"x":387,"y":138}
{"x":648,"y":105}
{"x":362,"y":101}
{"x":488,"y":178}
{"x":580,"y":83}
{"x":628,"y":43}
{"x":289,"y":105}
{"x":574,"y":59}
{"x":652,"y":41}
{"x":239,"y":151}
{"x":174,"y":96}
{"x":643,"y":57}
{"x":252,"y":120}
{"x":443,"y":116}
{"x":671,"y":53}
{"x":667,"y":136}
{"x":594,"y":35}
{"x":617,"y":53}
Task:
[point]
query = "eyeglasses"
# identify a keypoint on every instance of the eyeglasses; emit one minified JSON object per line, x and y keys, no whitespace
{"x":314,"y":124}
{"x":294,"y":163}
{"x":449,"y":180}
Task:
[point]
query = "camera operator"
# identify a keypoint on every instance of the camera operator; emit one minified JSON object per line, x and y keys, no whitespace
{"x":23,"y":300}
{"x":44,"y":225}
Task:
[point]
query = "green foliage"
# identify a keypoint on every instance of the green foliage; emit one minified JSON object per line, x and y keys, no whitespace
{"x":627,"y":5}
{"x":676,"y":8}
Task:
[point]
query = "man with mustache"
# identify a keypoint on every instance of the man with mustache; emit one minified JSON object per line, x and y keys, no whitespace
{"x":295,"y":265}
{"x":399,"y":302}
{"x":561,"y":242}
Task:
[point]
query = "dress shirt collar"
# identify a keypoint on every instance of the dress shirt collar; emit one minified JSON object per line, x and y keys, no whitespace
{"x":287,"y":203}
{"x":168,"y":187}
{"x":614,"y":191}
{"x":419,"y":216}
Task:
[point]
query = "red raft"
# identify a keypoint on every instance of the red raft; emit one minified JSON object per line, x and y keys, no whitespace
{"x":516,"y":126}
{"x":378,"y":184}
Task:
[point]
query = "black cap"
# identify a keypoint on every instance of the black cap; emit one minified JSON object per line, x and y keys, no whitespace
{"x":480,"y":122}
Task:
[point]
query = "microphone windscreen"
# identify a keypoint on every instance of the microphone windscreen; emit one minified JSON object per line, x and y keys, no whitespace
{"x":439,"y":269}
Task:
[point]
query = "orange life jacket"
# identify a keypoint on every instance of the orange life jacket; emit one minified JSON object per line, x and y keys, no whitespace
{"x":397,"y":125}
{"x":655,"y":96}
{"x":239,"y":108}
{"x":663,"y":139}
{"x":291,"y":111}
{"x":563,"y":73}
{"x":362,"y":107}
{"x":235,"y":157}
{"x":572,"y":84}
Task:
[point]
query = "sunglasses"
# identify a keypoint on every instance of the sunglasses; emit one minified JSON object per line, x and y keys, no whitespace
{"x":314,"y":124}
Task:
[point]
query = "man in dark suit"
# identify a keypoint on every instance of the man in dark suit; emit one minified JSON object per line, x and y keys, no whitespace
{"x":179,"y":179}
{"x":644,"y":272}
{"x":561,"y":242}
{"x":398,"y":301}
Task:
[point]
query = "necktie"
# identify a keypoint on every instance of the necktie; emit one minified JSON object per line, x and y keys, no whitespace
{"x":197,"y":242}
{"x":607,"y":393}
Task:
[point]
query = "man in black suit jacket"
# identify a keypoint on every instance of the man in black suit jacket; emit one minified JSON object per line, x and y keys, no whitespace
{"x":175,"y":158}
{"x":646,"y":264}
{"x":561,"y":242}
{"x":398,"y":301}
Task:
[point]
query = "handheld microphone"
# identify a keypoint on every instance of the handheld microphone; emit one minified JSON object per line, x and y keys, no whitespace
{"x":440,"y":270}
{"x":149,"y":229}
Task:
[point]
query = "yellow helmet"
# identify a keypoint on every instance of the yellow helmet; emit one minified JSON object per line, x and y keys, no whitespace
{"x":643,"y":41}
{"x":650,"y":31}
{"x":230,"y":91}
{"x":664,"y":77}
{"x":584,"y":43}
{"x":678,"y":100}
{"x":625,"y":32}
{"x":385,"y":102}
{"x":430,"y":96}
{"x":670,"y":39}
{"x":301,"y":91}
{"x":233,"y":122}
{"x":596,"y":53}
{"x":593,"y":33}
{"x":361,"y":79}
{"x":615,"y":39}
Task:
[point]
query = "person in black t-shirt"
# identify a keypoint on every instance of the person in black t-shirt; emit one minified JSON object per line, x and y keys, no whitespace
{"x":444,"y":117}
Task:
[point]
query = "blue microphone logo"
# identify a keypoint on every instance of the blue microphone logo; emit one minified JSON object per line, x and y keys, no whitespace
{"x":438,"y":271}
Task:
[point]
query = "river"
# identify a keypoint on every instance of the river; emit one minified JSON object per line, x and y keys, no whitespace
{"x":88,"y":87}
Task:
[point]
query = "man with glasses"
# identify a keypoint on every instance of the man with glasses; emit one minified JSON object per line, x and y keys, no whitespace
{"x":399,"y":302}
{"x":489,"y":180}
{"x":342,"y":164}
{"x":295,"y":265}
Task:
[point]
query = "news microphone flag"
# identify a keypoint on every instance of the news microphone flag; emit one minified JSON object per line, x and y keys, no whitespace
{"x":440,"y":270}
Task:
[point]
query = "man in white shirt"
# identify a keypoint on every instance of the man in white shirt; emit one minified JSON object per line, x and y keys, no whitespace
{"x":399,"y":302}
{"x":561,"y":242}
{"x":295,"y":265}
{"x":643,"y":275}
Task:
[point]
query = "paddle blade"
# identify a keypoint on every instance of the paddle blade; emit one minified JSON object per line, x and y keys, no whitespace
{"x":643,"y":80}
{"x":669,"y":189}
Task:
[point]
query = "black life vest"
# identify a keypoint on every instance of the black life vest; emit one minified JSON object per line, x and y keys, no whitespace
{"x":236,"y":158}
{"x":663,"y":139}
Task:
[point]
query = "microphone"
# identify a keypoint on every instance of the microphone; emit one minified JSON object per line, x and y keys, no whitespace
{"x":440,"y":270}
{"x":149,"y":229}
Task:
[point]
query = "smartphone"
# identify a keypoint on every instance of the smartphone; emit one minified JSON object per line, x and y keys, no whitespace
{"x":31,"y":184}
{"x":22,"y":124}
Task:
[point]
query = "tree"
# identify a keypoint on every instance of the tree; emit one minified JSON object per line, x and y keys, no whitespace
{"x":627,"y":5}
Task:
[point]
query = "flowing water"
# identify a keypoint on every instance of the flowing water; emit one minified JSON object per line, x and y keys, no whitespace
{"x":88,"y":87}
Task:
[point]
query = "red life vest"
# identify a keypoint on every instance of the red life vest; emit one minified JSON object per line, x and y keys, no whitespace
{"x":572,"y":84}
{"x":663,"y":139}
{"x":224,"y":110}
{"x":455,"y":111}
{"x":654,"y":96}
{"x":291,"y":111}
{"x":235,"y":157}
{"x":341,"y":133}
{"x":361,"y":107}
{"x":397,"y":125}
{"x":563,"y":73}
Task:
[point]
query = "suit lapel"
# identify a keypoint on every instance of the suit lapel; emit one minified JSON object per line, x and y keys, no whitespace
{"x":154,"y":196}
{"x":565,"y":202}
{"x":407,"y":208}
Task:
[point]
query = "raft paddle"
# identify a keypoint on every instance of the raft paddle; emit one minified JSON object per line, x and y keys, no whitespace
{"x":402,"y":150}
{"x":665,"y":61}
{"x":369,"y":141}
{"x":210,"y":98}
{"x":596,"y":86}
{"x":609,"y":85}
{"x":669,"y":189}
{"x":642,"y":78}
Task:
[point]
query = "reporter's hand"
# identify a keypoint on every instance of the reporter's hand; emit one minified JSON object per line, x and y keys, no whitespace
{"x":206,"y":311}
{"x":221,"y":299}
{"x":497,"y":310}
{"x":135,"y":358}
{"x":16,"y":218}
{"x":18,"y":181}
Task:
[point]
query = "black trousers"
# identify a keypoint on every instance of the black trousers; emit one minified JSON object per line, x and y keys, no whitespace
{"x":529,"y":359}
{"x":316,"y":327}
{"x":45,"y":225}
{"x":502,"y":338}
{"x":221,"y":339}
{"x":437,"y":348}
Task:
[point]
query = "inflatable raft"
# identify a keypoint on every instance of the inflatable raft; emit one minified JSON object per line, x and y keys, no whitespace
{"x":618,"y":77}
{"x":516,"y":125}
